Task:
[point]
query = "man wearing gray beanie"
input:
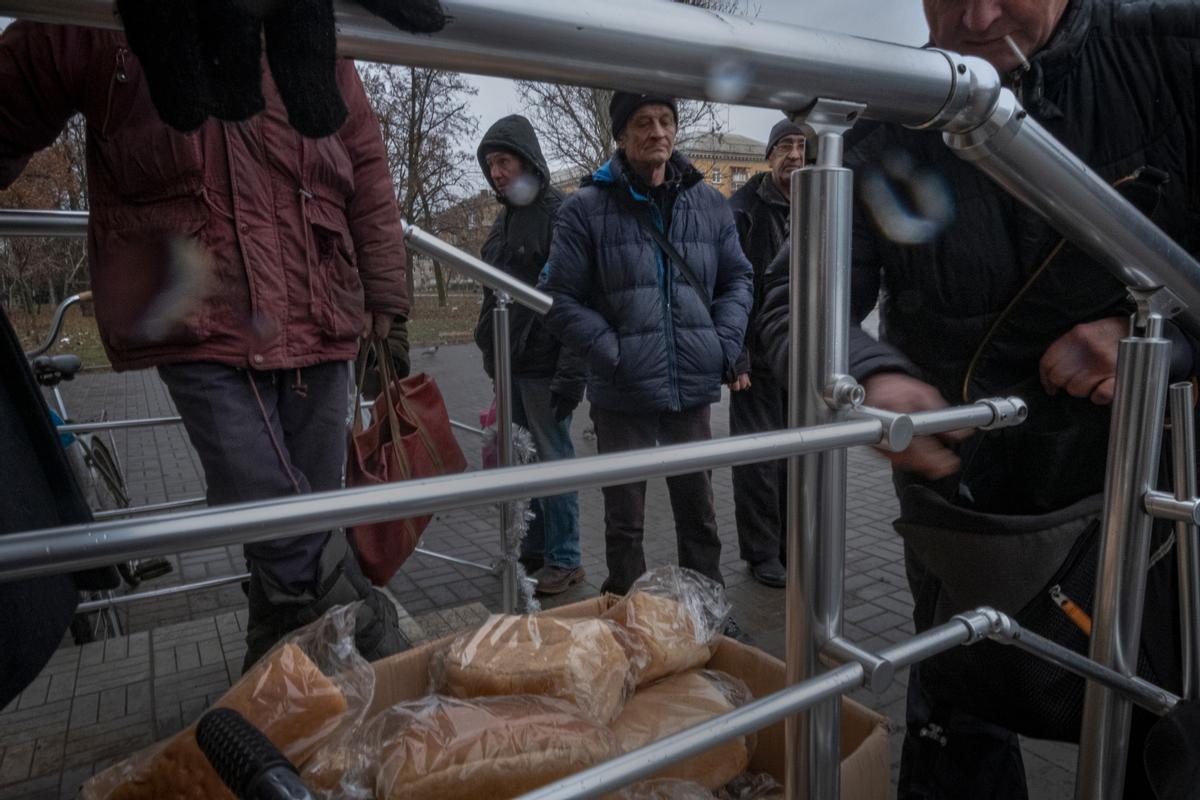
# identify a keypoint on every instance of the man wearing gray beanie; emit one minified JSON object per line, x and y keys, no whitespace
{"x":757,"y":402}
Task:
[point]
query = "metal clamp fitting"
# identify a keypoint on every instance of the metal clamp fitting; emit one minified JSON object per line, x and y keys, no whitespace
{"x":843,"y":392}
{"x":1006,"y":412}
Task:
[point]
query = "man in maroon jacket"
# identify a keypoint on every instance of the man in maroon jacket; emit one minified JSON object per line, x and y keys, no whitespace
{"x":244,"y":262}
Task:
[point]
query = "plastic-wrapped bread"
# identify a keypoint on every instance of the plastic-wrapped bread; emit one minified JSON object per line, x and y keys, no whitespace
{"x":440,"y":747}
{"x":677,"y":614}
{"x":287,"y":695}
{"x":592,"y":663}
{"x":679,"y":702}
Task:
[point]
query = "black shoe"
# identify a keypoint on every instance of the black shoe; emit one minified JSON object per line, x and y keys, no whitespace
{"x":734,"y":631}
{"x":769,"y":572}
{"x":552,"y":579}
{"x":376,"y":623}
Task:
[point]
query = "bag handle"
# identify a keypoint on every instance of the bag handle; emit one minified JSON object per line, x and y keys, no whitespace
{"x":674,"y":255}
{"x":388,"y":379}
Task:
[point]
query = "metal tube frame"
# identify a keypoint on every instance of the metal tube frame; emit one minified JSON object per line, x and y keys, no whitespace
{"x":502,"y":361}
{"x":113,"y":601}
{"x":547,"y":40}
{"x":820,"y":217}
{"x":1143,"y":363}
{"x":1183,"y":470}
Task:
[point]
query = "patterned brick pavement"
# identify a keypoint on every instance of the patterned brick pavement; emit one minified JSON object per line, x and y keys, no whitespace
{"x":94,"y":704}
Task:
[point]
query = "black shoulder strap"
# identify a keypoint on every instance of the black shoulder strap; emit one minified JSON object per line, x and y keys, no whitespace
{"x":668,"y":248}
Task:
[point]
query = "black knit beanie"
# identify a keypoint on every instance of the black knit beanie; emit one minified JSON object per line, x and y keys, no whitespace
{"x":623,"y":104}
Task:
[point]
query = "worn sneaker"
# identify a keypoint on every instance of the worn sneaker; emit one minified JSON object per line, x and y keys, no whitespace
{"x":553,"y":579}
{"x":769,"y":572}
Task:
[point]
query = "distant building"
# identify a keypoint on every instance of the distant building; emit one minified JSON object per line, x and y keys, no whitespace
{"x":727,"y":161}
{"x":464,"y":225}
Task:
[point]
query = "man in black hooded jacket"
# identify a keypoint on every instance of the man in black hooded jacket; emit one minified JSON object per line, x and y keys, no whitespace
{"x":992,"y":305}
{"x":548,"y":380}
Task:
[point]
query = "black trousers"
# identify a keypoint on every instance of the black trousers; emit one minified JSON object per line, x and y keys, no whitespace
{"x":625,"y":506}
{"x":294,"y":443}
{"x":760,"y":489}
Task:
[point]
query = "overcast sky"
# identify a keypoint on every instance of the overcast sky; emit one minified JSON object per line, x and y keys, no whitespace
{"x":889,"y":20}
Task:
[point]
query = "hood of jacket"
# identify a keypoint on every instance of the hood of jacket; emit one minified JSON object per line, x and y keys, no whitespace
{"x":515,"y":134}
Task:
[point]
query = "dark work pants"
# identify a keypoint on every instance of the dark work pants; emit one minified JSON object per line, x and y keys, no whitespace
{"x":760,"y":489}
{"x":300,"y":447}
{"x":625,"y":506}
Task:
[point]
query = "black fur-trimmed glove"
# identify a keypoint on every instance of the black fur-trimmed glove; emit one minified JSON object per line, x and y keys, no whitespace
{"x":202,"y":57}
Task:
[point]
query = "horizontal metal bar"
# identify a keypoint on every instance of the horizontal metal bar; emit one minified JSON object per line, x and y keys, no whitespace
{"x":117,"y":424}
{"x":646,"y":761}
{"x":70,"y":548}
{"x":1150,"y":697}
{"x":462,"y":426}
{"x":629,"y":44}
{"x":462,"y":562}
{"x":43,"y":222}
{"x":991,"y":413}
{"x":14,"y":222}
{"x":481,"y":271}
{"x":878,"y":673}
{"x":151,"y":508}
{"x":1165,"y":506}
{"x":157,"y":594}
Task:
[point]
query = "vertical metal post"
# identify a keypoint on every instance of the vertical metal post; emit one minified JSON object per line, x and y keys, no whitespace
{"x":1183,"y":462}
{"x":502,"y":359}
{"x":820,"y":291}
{"x":1143,"y":363}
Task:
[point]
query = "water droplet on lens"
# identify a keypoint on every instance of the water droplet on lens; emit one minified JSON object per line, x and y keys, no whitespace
{"x":523,"y":190}
{"x":910,"y":204}
{"x":728,"y":80}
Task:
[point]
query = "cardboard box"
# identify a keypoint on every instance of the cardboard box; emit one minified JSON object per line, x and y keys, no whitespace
{"x":866,"y":754}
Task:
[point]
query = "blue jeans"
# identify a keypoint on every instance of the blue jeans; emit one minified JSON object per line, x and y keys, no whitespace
{"x":553,"y":534}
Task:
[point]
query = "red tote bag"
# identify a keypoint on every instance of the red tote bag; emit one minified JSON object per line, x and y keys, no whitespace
{"x":409,"y":437}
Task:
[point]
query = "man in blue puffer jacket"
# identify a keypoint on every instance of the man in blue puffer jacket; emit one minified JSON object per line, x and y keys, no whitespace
{"x":659,"y":336}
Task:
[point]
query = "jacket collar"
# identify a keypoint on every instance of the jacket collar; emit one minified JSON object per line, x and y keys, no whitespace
{"x":768,"y":191}
{"x":1052,"y":63}
{"x":614,"y":173}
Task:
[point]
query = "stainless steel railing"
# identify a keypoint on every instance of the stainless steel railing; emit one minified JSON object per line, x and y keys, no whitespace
{"x":669,"y":48}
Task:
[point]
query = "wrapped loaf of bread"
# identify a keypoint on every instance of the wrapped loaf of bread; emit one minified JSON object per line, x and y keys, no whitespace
{"x":308,"y":689}
{"x":284,"y":695}
{"x":667,"y":631}
{"x":440,"y":747}
{"x":679,"y":702}
{"x":591,"y":663}
{"x":677,"y":615}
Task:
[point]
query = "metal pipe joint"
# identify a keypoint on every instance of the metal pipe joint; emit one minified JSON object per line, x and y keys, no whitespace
{"x":1007,"y":411}
{"x":878,"y":672}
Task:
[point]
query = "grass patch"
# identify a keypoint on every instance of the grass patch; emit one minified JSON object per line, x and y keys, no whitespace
{"x":430,"y":324}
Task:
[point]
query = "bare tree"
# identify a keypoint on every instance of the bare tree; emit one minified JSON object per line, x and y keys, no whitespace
{"x":35,"y":271}
{"x":429,"y":134}
{"x":573,"y":123}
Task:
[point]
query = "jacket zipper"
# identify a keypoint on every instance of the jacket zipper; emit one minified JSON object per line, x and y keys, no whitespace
{"x":668,"y":323}
{"x":120,"y":75}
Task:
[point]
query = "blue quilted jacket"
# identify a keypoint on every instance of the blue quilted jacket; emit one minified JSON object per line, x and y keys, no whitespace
{"x":648,"y":340}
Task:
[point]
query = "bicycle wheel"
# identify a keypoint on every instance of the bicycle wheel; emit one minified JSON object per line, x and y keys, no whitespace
{"x":109,"y":483}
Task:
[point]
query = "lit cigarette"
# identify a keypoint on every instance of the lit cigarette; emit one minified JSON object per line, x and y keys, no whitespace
{"x":1017,"y":52}
{"x":1073,"y":612}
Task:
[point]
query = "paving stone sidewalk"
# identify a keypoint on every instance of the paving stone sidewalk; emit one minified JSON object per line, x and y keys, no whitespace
{"x":93,"y":705}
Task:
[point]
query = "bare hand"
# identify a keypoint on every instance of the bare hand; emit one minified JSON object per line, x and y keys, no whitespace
{"x":376,"y":323}
{"x":928,"y":456}
{"x":1083,"y":361}
{"x":740,"y":383}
